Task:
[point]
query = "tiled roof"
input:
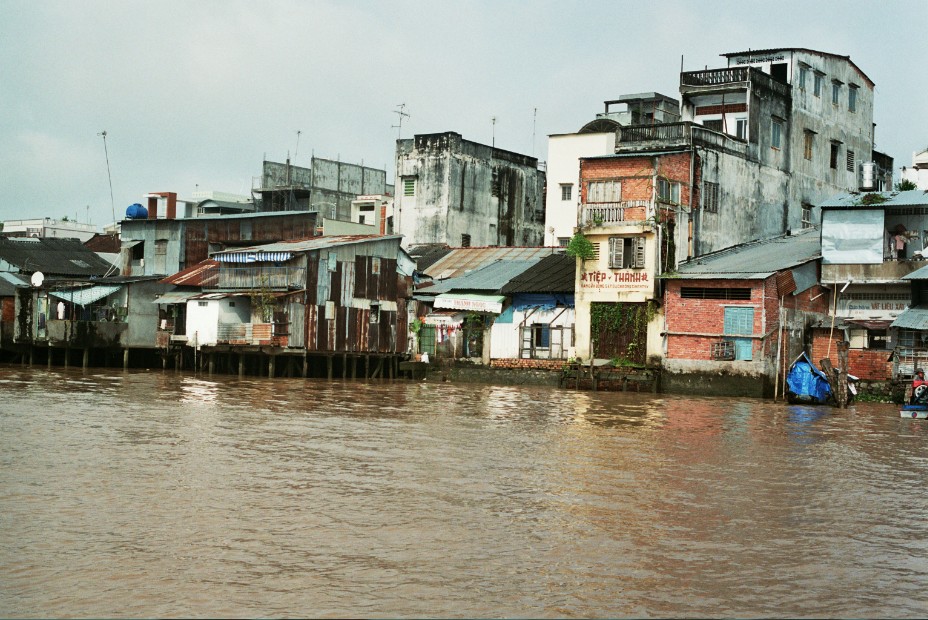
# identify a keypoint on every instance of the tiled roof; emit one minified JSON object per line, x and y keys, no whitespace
{"x":754,"y":260}
{"x":53,"y":257}
{"x":461,"y":260}
{"x":552,"y":274}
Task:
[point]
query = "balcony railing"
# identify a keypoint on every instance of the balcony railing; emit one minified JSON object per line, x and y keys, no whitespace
{"x":734,"y":75}
{"x":684,"y":133}
{"x":602,"y":213}
{"x":258,"y":278}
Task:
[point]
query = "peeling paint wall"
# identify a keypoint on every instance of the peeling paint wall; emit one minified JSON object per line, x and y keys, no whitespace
{"x":495,"y":197}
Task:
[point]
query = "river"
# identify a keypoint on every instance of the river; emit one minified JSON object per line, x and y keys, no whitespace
{"x":163,"y":494}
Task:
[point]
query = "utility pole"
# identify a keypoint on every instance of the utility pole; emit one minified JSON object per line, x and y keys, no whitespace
{"x":298,"y":132}
{"x":493,"y":119}
{"x":400,"y":112}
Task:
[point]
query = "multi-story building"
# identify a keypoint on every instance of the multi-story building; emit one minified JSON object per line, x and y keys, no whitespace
{"x":761,"y":142}
{"x":596,"y":137}
{"x":48,"y":227}
{"x":462,"y":193}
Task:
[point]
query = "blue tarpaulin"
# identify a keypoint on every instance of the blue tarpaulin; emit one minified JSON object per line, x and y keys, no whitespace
{"x":542,"y":301}
{"x":806,"y":383}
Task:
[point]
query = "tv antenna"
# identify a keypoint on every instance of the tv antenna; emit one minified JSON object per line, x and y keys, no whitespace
{"x":493,"y":119}
{"x":298,"y":132}
{"x":108,"y":174}
{"x":534,"y":125}
{"x":400,"y":112}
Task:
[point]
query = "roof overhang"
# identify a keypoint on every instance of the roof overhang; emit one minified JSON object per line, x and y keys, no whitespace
{"x":471,"y":302}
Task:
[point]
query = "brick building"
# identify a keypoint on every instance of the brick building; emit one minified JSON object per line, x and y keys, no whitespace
{"x":735,"y":316}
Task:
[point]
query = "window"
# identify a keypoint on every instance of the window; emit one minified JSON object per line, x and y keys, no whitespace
{"x":803,"y":76}
{"x":375,"y":265}
{"x":409,"y":187}
{"x":806,"y":215}
{"x":668,"y":191}
{"x":566,"y":191}
{"x":694,"y":292}
{"x":161,"y":247}
{"x":563,"y":241}
{"x":138,"y":251}
{"x":878,"y":339}
{"x":465,"y":241}
{"x":835,"y":149}
{"x":375,"y":314}
{"x":850,"y":161}
{"x":360,"y":219}
{"x":852,"y":98}
{"x":333,"y":261}
{"x":710,"y":197}
{"x":604,"y":191}
{"x":809,"y":140}
{"x":741,"y":128}
{"x":739,"y":321}
{"x":776,"y":133}
{"x":835,"y":92}
{"x":714,"y":125}
{"x":819,"y":79}
{"x":231,"y":304}
{"x":626,"y":252}
{"x":202,"y":304}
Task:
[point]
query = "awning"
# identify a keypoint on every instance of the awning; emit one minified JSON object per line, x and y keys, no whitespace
{"x":472,"y":302}
{"x":252,"y":257}
{"x":86,"y":295}
{"x":174,"y":297}
{"x":130,"y":244}
{"x":913,"y":318}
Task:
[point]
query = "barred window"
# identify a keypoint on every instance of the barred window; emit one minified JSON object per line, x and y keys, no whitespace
{"x":695,"y":292}
{"x":710,"y":197}
{"x":850,"y":161}
{"x":409,"y":187}
{"x":806,"y":215}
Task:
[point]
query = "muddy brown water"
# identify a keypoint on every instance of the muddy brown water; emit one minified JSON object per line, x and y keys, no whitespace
{"x":162,"y":494}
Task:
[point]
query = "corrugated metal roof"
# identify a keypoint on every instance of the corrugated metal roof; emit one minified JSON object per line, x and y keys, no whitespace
{"x":52,"y":256}
{"x":425,"y":254}
{"x":306,"y":245}
{"x":754,"y":260}
{"x":201,"y":274}
{"x":492,"y":277}
{"x":9,"y":282}
{"x":552,"y":274}
{"x":911,"y":198}
{"x":460,"y":260}
{"x":86,"y":295}
{"x":913,"y":318}
{"x":918,"y":274}
{"x":174,"y":297}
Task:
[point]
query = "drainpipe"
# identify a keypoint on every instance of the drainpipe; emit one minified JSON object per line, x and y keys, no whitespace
{"x":694,"y":213}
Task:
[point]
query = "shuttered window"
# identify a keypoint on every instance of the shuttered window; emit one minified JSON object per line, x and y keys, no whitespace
{"x":604,"y":191}
{"x":626,"y":252}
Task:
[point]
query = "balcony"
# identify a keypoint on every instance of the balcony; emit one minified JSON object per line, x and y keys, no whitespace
{"x":732,"y":78}
{"x":273,"y":334}
{"x":889,"y":271}
{"x":609,"y":213}
{"x":258,"y":278}
{"x":682,"y":134}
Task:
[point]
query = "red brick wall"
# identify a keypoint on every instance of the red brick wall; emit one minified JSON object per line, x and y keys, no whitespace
{"x":528,"y":364}
{"x":868,"y":364}
{"x":636,"y":174}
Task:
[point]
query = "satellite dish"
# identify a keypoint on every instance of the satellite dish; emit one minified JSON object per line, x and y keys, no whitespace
{"x":37,"y":278}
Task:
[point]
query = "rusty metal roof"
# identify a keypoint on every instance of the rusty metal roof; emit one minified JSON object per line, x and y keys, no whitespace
{"x":461,"y":260}
{"x":201,"y":274}
{"x":314,"y":243}
{"x":490,"y":277}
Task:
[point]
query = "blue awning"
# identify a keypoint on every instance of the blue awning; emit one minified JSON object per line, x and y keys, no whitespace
{"x":252,"y":257}
{"x":86,"y":295}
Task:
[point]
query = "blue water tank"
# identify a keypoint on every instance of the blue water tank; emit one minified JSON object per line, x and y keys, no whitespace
{"x":136,"y":212}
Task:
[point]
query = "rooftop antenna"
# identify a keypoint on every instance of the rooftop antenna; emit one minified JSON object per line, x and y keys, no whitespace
{"x":108,"y":174}
{"x":493,"y":119}
{"x":298,"y":132}
{"x":400,"y":112}
{"x":534,"y":124}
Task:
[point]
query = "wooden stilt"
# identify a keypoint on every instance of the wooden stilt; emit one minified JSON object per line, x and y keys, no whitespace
{"x":271,"y":365}
{"x":86,"y":357}
{"x":328,"y":362}
{"x":354,"y":366}
{"x":241,"y":365}
{"x":125,"y":359}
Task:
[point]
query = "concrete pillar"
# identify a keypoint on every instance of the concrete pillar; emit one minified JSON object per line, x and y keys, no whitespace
{"x":67,"y":356}
{"x":344,"y":365}
{"x":86,"y":357}
{"x":241,"y":365}
{"x":125,"y":359}
{"x":328,"y":363}
{"x":271,"y":363}
{"x":212,"y":364}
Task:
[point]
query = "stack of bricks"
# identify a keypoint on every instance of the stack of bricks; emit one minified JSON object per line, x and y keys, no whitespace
{"x":528,"y":364}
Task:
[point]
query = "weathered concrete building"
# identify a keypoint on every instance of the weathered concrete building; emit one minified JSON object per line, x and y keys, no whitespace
{"x":467,"y":194}
{"x":327,"y":186}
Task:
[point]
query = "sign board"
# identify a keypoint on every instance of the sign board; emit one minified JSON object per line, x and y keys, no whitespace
{"x":619,"y":279}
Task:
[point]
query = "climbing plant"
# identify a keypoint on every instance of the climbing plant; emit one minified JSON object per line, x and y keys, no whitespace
{"x":632,"y":319}
{"x":263,"y":299}
{"x":906,"y":185}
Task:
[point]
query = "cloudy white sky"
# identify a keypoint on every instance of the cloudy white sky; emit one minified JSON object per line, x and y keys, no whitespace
{"x":196,"y":94}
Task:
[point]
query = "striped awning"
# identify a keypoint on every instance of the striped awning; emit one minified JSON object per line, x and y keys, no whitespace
{"x":252,"y":257}
{"x":86,"y":295}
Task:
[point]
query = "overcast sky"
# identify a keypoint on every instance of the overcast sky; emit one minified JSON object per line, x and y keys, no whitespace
{"x":197,"y":94}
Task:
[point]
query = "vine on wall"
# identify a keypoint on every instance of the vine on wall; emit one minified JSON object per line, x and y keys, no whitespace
{"x":615,"y":317}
